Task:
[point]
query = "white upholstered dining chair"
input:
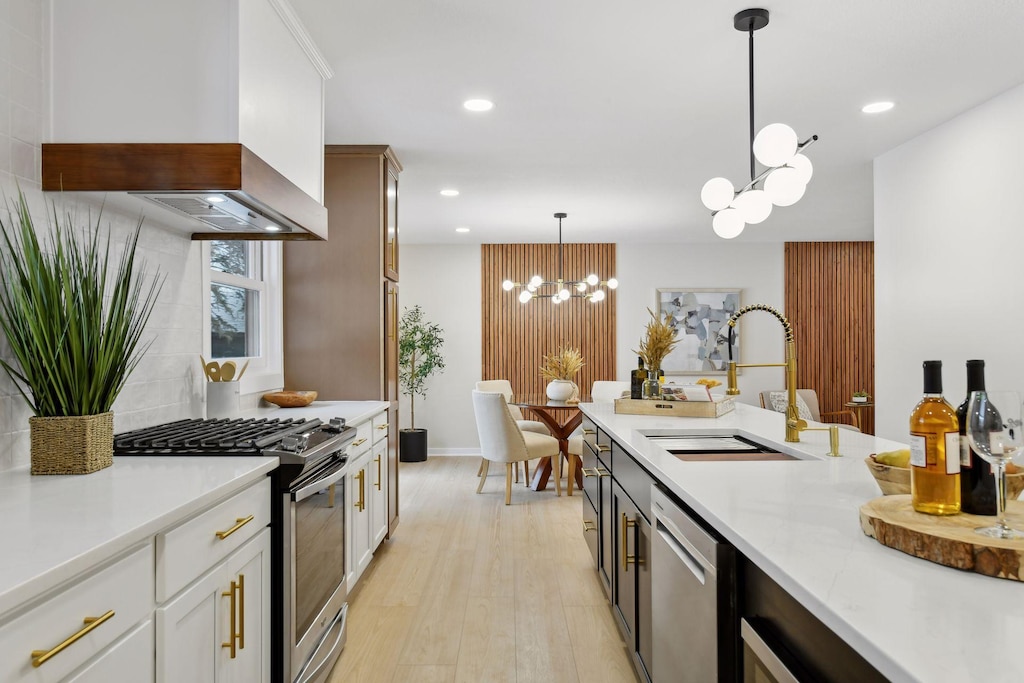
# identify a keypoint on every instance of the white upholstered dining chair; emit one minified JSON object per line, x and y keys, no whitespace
{"x":501,"y":440}
{"x":504,"y":387}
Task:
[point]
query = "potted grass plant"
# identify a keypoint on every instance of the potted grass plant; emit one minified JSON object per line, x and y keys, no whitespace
{"x":560,"y":370}
{"x":73,"y":317}
{"x":658,"y":341}
{"x":419,"y":357}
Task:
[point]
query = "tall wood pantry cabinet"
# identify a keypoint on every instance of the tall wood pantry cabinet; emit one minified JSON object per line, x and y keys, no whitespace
{"x":341,"y":296}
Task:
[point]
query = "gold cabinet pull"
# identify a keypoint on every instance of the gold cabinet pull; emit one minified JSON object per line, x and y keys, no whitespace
{"x":233,"y":627}
{"x":40,"y":657}
{"x":361,"y":503}
{"x":377,"y":460}
{"x":602,"y":472}
{"x":589,"y":471}
{"x":239,"y":523}
{"x":627,"y":559}
{"x":358,"y":442}
{"x":589,"y":525}
{"x":601,"y":448}
{"x":589,"y":431}
{"x":383,"y":426}
{"x":241,"y":611}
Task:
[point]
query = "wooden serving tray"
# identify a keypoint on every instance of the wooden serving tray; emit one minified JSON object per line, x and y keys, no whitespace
{"x":948,"y":540}
{"x":716,"y":408}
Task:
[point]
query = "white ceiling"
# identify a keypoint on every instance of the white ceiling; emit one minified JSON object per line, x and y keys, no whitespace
{"x":618,"y":112}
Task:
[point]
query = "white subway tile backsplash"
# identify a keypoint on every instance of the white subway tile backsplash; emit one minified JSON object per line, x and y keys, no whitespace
{"x":25,"y":17}
{"x":24,"y":124}
{"x":26,"y":89}
{"x":23,"y":160}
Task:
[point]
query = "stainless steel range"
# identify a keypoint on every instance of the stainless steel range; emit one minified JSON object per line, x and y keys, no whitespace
{"x":308,"y":525}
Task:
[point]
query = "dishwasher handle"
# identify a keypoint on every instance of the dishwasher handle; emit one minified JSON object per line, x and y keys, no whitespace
{"x":685,"y":551}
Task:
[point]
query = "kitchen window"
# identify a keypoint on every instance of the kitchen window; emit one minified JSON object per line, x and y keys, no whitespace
{"x":243,"y":320}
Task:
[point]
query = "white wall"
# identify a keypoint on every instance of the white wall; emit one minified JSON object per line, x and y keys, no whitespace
{"x":166,"y":385}
{"x":445,"y":281}
{"x":949,"y":258}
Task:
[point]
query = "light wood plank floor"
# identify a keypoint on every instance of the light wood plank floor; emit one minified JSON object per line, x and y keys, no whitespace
{"x":470,"y":590}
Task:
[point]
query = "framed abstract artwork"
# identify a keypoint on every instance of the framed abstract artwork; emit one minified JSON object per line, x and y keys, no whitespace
{"x":699,"y":315}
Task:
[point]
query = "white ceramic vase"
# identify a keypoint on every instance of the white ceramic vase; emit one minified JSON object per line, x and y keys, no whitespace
{"x":560,"y":390}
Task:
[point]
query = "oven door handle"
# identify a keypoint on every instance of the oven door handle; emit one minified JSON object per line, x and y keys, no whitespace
{"x":307,"y":676}
{"x":332,"y":476}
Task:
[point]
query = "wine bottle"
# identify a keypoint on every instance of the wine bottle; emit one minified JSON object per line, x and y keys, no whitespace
{"x":977,"y":483}
{"x":636,"y":380}
{"x":934,"y":449}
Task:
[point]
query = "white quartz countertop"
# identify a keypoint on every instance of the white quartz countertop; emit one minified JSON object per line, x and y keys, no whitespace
{"x":55,"y":527}
{"x":798,"y":521}
{"x":352,"y":411}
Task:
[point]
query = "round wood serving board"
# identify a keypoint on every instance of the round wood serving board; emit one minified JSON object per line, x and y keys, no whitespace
{"x":946,"y":540}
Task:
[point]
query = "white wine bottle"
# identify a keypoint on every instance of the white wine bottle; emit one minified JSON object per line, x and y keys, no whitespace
{"x":934,"y":449}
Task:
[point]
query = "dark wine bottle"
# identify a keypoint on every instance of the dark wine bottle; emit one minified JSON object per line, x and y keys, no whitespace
{"x":977,"y":483}
{"x":636,"y":380}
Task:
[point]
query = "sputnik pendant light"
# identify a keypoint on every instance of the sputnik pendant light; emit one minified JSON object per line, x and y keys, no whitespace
{"x":561,"y":289}
{"x":777,"y":146}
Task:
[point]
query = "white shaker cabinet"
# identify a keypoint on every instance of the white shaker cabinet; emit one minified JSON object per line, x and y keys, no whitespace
{"x":367,"y":493}
{"x":218,"y":629}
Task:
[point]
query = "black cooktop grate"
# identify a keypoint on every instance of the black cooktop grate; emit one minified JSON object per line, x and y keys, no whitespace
{"x":209,"y":437}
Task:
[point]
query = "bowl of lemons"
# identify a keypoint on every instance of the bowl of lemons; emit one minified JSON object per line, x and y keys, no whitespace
{"x":891,"y":470}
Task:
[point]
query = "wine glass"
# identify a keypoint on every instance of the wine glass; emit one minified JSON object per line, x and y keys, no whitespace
{"x":996,"y":433}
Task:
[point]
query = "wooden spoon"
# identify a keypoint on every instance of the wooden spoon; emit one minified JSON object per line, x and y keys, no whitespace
{"x":205,"y":371}
{"x":213,"y":371}
{"x":227,"y":371}
{"x":244,"y":368}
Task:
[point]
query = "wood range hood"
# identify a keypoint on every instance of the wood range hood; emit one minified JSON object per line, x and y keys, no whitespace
{"x":221,"y":191}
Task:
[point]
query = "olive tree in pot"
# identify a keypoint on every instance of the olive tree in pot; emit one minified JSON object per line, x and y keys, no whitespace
{"x":73,"y":317}
{"x":419,"y":357}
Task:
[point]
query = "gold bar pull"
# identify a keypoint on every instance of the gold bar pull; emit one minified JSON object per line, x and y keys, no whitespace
{"x":40,"y":657}
{"x":241,"y":611}
{"x":239,"y":523}
{"x":627,"y":559}
{"x":232,"y":629}
{"x":602,"y":472}
{"x":589,"y":431}
{"x":383,"y":426}
{"x":377,"y":460}
{"x":361,"y":503}
{"x":358,"y":442}
{"x":589,"y":525}
{"x":601,"y":448}
{"x":589,"y":472}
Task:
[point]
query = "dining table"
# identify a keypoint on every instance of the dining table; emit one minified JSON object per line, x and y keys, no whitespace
{"x":561,"y":418}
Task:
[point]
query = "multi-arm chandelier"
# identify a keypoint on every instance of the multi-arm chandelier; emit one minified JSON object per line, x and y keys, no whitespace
{"x":777,"y":146}
{"x":561,"y":289}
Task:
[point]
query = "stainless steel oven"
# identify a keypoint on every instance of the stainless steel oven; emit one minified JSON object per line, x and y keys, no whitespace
{"x":313,"y":564}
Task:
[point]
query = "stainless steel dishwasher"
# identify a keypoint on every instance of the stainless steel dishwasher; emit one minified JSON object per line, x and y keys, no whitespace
{"x":694,"y":614}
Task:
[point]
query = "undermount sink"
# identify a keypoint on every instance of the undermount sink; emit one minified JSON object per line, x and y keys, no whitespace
{"x":715,"y":447}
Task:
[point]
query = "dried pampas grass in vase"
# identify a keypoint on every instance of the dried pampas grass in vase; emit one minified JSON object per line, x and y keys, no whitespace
{"x":658,"y":341}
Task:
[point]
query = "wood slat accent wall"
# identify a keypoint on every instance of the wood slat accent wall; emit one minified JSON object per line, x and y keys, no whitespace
{"x":831,"y":302}
{"x":516,"y":336}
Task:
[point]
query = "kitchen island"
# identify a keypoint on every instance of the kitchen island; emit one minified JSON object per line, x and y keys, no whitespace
{"x":798,"y":522}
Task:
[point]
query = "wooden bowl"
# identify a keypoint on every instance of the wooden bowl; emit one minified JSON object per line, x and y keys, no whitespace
{"x":896,"y":480}
{"x":290,"y":399}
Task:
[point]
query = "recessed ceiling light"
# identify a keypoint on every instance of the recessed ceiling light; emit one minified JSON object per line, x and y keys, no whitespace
{"x":462,"y":229}
{"x":215,"y":199}
{"x":449,"y":193}
{"x":478,"y":105}
{"x":270,"y":227}
{"x":877,"y":107}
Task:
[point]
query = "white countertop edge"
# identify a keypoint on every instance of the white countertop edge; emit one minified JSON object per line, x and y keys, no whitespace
{"x":17,"y":597}
{"x":354,"y":412}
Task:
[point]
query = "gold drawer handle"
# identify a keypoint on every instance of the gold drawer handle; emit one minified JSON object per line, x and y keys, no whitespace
{"x":361,"y":503}
{"x":233,"y":626}
{"x":602,"y":472}
{"x":627,"y":559}
{"x":589,"y":431}
{"x":241,"y":611}
{"x":590,"y":472}
{"x":383,"y":426}
{"x":601,"y":448}
{"x":358,"y":442}
{"x":40,"y":657}
{"x":377,"y":460}
{"x":240,"y":522}
{"x":592,"y":525}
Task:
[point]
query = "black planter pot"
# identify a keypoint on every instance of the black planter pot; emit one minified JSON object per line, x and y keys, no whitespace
{"x":412,"y":445}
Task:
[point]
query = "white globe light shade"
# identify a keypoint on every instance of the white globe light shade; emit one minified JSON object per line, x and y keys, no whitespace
{"x":507,"y":285}
{"x":581,"y":286}
{"x":803,"y":166}
{"x":717,"y":193}
{"x":612,"y":283}
{"x":564,"y":294}
{"x":775,"y":144}
{"x":592,"y":280}
{"x":554,"y":297}
{"x":728,"y":223}
{"x":531,"y":288}
{"x":597,"y":296}
{"x":524,"y":297}
{"x":753,"y":205}
{"x":536,"y":281}
{"x":783,"y":186}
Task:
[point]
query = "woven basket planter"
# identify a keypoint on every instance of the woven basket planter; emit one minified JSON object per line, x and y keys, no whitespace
{"x":72,"y":445}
